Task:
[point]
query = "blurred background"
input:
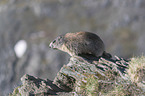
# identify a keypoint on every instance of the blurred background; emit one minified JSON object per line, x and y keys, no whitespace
{"x":28,"y":26}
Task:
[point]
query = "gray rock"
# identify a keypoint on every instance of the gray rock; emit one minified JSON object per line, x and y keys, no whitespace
{"x":70,"y":77}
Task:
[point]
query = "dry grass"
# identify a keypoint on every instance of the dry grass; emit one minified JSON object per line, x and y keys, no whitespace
{"x":133,"y":85}
{"x":136,"y":69}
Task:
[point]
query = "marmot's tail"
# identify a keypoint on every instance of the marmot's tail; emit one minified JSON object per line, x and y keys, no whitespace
{"x":106,"y":55}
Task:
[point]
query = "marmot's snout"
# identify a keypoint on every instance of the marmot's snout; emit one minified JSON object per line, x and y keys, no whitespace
{"x":57,"y":43}
{"x":51,"y":44}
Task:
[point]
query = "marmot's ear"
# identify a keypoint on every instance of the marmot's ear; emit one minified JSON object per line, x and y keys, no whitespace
{"x":106,"y":55}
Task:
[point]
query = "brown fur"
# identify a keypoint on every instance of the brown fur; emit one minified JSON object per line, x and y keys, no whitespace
{"x":79,"y":43}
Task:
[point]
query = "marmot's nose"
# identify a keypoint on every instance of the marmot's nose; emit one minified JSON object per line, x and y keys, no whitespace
{"x":51,"y":45}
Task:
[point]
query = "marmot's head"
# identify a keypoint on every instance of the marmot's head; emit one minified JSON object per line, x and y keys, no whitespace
{"x":57,"y":43}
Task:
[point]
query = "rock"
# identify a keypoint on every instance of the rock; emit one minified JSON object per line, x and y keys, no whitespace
{"x":33,"y":85}
{"x":80,"y":77}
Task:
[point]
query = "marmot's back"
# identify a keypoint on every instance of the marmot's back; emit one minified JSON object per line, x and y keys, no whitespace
{"x":79,"y":43}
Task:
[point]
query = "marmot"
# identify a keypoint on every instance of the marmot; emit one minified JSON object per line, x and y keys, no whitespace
{"x":80,"y":43}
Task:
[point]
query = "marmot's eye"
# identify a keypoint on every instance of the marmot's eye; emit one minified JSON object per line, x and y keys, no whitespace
{"x":54,"y":41}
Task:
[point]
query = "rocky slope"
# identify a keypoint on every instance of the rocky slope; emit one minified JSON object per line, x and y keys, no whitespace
{"x":85,"y":77}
